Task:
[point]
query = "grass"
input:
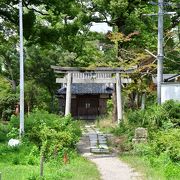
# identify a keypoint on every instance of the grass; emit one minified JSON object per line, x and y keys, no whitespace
{"x":105,"y":124}
{"x":142,"y":165}
{"x":148,"y":163}
{"x":78,"y":169}
{"x":14,"y":165}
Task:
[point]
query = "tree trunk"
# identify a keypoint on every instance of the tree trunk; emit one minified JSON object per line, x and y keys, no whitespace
{"x":28,"y":108}
{"x":13,"y":82}
{"x":143,"y":101}
{"x":52,"y":103}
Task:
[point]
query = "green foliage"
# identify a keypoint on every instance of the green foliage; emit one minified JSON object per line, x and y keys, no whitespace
{"x":33,"y":156}
{"x":24,"y":164}
{"x":50,"y":132}
{"x":3,"y":132}
{"x":155,"y":116}
{"x":16,"y":160}
{"x":13,"y":133}
{"x":161,"y":155}
{"x":168,"y":142}
{"x":162,"y":151}
{"x":173,"y":109}
{"x":8,"y":99}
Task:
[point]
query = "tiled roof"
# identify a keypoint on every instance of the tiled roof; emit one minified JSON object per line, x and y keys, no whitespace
{"x":88,"y":89}
{"x":166,"y":77}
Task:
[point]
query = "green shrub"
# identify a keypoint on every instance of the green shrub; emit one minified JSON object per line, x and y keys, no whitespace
{"x":143,"y":150}
{"x":136,"y":117}
{"x":16,"y":160}
{"x":173,"y":109}
{"x":172,"y":171}
{"x":49,"y":131}
{"x":3,"y":131}
{"x":33,"y":157}
{"x":155,"y":117}
{"x":167,"y":141}
{"x":13,"y":133}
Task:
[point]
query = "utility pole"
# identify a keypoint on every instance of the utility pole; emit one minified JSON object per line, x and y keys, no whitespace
{"x":21,"y":130}
{"x":160,"y":55}
{"x":160,"y":51}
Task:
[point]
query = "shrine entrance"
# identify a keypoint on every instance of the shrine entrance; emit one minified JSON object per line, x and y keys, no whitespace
{"x":86,"y":91}
{"x":88,"y":107}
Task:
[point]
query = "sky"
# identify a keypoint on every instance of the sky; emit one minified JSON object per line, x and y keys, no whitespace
{"x":100,"y":27}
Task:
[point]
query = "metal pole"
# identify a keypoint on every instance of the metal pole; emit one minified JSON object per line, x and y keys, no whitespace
{"x":160,"y":55}
{"x":21,"y":130}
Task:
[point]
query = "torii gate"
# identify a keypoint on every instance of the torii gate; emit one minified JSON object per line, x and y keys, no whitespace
{"x":114,"y":76}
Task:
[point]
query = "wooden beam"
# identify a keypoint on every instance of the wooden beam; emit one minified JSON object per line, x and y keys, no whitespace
{"x":61,"y":80}
{"x":59,"y":69}
{"x":97,"y":71}
{"x":86,"y":81}
{"x":68,"y":95}
{"x":95,"y":81}
{"x":119,"y":98}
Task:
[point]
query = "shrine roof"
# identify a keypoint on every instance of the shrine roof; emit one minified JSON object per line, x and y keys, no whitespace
{"x":87,"y":89}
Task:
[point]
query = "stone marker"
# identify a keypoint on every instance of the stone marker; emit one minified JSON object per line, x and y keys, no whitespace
{"x":140,"y":135}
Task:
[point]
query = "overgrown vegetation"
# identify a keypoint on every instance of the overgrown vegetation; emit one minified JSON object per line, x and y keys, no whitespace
{"x":47,"y":135}
{"x":162,"y":151}
{"x":23,"y":163}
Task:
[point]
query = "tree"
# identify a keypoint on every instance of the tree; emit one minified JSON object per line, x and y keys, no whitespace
{"x":8,"y":99}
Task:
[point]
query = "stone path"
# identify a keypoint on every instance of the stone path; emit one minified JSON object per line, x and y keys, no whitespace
{"x":98,"y":141}
{"x":93,"y":145}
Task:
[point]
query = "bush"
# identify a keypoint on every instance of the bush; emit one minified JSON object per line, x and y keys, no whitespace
{"x":50,"y":131}
{"x":3,"y":131}
{"x":173,"y":109}
{"x":155,"y":117}
{"x":16,"y":160}
{"x":167,"y":141}
{"x":13,"y":133}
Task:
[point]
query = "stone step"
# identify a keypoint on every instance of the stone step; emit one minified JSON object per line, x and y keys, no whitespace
{"x":103,"y":147}
{"x":98,"y":150}
{"x":103,"y":141}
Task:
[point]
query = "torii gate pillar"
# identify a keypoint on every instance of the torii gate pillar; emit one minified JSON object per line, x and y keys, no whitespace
{"x":119,"y":98}
{"x":68,"y":94}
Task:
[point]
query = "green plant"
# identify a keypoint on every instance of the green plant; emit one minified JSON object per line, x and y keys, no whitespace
{"x":16,"y":160}
{"x":3,"y":131}
{"x":109,"y":106}
{"x":13,"y":133}
{"x":173,"y":109}
{"x":33,"y":157}
{"x":142,"y":149}
{"x":167,"y":141}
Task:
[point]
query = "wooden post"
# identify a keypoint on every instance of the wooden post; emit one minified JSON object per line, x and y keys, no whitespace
{"x":68,"y":94}
{"x":119,"y":98}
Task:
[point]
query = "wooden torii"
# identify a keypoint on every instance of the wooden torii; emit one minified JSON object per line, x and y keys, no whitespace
{"x":115,"y":78}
